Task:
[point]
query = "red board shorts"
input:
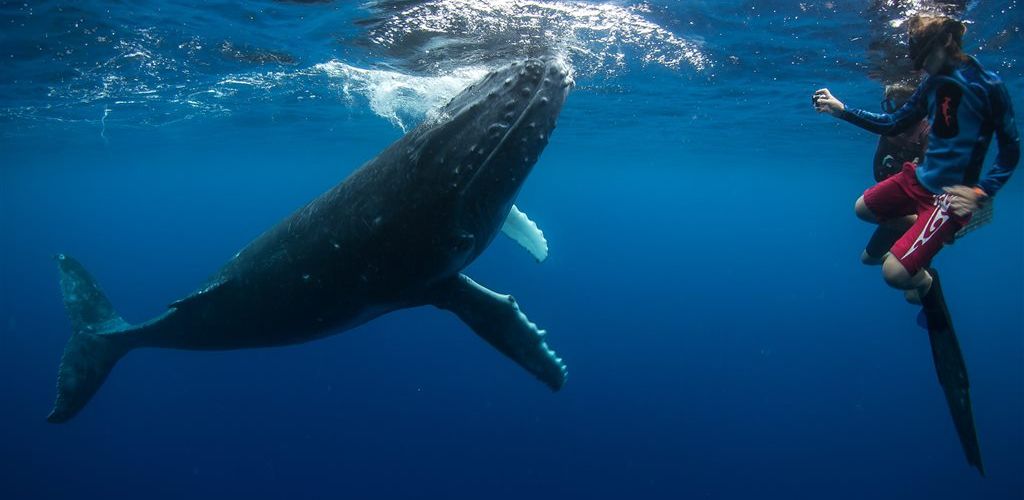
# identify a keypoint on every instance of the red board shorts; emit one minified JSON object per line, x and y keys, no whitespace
{"x":902,"y":195}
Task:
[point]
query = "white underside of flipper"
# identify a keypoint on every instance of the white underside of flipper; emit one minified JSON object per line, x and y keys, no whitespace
{"x":524,"y":231}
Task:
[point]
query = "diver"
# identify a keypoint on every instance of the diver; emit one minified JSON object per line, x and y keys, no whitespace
{"x":928,"y":203}
{"x":887,"y":62}
{"x":891,"y":153}
{"x":965,"y":105}
{"x":907,"y":146}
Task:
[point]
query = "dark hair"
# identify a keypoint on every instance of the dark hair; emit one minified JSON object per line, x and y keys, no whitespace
{"x":923,"y":29}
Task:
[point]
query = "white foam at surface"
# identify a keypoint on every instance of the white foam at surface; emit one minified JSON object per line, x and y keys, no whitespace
{"x":598,"y":35}
{"x":149,"y":76}
{"x":396,"y":96}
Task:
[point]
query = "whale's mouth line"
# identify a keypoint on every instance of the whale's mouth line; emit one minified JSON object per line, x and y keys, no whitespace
{"x":497,"y":147}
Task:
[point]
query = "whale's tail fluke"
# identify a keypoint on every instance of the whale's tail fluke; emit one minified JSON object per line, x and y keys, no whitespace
{"x":98,"y":340}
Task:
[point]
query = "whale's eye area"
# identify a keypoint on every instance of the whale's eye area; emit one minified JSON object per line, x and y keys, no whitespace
{"x":464,"y":243}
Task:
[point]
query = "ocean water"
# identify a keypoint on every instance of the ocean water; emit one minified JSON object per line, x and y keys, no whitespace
{"x":703,"y":285}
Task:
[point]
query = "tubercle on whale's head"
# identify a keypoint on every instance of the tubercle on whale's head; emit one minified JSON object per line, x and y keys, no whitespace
{"x":484,"y":143}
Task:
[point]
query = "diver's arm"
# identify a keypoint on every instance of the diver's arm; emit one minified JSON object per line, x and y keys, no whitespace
{"x":893,"y":123}
{"x":1008,"y":140}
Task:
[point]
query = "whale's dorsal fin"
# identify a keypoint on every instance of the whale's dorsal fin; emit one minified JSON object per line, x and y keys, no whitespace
{"x":209,"y":290}
{"x":497,"y":319}
{"x":524,"y":231}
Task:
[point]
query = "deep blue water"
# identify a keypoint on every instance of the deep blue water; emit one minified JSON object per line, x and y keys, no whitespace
{"x":703,"y":286}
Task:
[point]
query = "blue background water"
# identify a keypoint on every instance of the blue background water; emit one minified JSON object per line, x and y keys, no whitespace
{"x":704,"y":287}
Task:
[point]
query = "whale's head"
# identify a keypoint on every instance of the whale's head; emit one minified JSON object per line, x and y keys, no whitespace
{"x":483,"y":144}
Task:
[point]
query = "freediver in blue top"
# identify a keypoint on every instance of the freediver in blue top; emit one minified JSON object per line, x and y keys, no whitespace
{"x":965,"y":105}
{"x":928,"y":203}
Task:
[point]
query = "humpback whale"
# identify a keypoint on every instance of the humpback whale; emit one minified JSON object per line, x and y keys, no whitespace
{"x":394,"y":234}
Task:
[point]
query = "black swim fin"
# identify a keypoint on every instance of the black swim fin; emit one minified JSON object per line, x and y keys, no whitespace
{"x":950,"y":367}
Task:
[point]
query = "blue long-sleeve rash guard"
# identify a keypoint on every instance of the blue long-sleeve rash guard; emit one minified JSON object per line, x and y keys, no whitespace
{"x":964,"y":108}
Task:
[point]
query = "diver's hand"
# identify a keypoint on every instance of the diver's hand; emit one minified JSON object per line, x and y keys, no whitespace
{"x":965,"y":200}
{"x":825,"y":102}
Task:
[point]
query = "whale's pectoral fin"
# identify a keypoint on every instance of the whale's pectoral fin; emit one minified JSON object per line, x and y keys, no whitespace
{"x":524,"y":231}
{"x":498,"y":319}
